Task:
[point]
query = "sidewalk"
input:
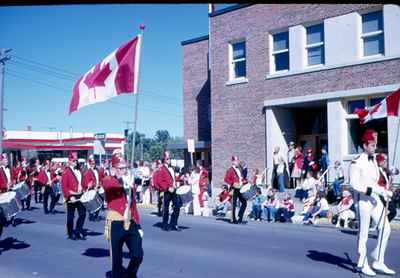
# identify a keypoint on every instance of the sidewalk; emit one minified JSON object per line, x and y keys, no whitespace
{"x":297,"y":218}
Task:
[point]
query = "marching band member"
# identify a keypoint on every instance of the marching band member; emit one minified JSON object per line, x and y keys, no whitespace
{"x":233,"y":177}
{"x":123,"y":221}
{"x":36,"y":186}
{"x":144,"y":170}
{"x":160,"y":194}
{"x":71,"y":183}
{"x":364,"y":176}
{"x":23,"y":176}
{"x":91,"y":181}
{"x":5,"y":175}
{"x":104,"y":169}
{"x":165,"y":182}
{"x":45,"y":179}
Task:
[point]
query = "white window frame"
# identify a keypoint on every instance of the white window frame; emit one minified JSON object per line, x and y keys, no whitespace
{"x":308,"y":46}
{"x":273,"y":53}
{"x":371,"y":34}
{"x":233,"y":61}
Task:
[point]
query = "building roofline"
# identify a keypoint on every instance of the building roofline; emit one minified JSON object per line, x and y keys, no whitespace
{"x":229,"y":9}
{"x":198,"y":39}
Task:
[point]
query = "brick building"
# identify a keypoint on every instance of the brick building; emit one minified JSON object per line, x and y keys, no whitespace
{"x":268,"y":74}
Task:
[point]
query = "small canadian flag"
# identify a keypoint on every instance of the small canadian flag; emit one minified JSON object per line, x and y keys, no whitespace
{"x":117,"y":74}
{"x":389,"y":106}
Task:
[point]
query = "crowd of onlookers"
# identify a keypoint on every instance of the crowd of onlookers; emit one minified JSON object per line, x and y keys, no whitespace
{"x":302,"y":173}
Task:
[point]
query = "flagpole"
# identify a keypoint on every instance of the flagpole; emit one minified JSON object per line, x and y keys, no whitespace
{"x":136,"y":99}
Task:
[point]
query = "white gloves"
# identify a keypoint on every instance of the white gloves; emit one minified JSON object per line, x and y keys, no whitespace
{"x":387,"y":194}
{"x":141,"y":233}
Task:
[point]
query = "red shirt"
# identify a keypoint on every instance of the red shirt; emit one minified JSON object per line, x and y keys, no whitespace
{"x":203,"y":178}
{"x":223,"y":195}
{"x":3,"y":179}
{"x":116,"y":198}
{"x":231,"y":176}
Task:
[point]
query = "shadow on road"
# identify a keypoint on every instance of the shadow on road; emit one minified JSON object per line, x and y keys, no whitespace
{"x":101,"y":253}
{"x":12,"y":243}
{"x":159,"y":225}
{"x":19,"y":221}
{"x":91,"y":233}
{"x":355,"y":233}
{"x":324,"y":257}
{"x":227,"y":220}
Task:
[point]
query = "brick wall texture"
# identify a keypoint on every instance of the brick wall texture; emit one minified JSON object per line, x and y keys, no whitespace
{"x":238,"y":121}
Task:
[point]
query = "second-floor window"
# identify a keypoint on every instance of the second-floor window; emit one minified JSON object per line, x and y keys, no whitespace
{"x":315,"y":45}
{"x":238,"y":60}
{"x":372,"y":33}
{"x":280,"y":51}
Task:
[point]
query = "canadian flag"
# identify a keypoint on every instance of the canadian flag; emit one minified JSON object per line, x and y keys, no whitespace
{"x":389,"y":106}
{"x":117,"y":74}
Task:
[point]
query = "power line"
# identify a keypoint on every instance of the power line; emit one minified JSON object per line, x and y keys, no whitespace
{"x":18,"y":75}
{"x":73,"y":74}
{"x":65,"y":74}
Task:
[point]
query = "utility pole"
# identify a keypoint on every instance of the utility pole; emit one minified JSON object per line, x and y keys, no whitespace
{"x":3,"y":58}
{"x":128,"y":123}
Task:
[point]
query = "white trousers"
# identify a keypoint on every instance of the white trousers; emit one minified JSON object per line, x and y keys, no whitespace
{"x":371,"y":208}
{"x":147,"y":197}
{"x":196,"y":205}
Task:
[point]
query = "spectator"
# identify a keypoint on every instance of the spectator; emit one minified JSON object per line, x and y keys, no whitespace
{"x":257,"y":205}
{"x":309,"y":164}
{"x":279,"y":170}
{"x":257,"y":177}
{"x":270,"y":206}
{"x":225,"y":201}
{"x":286,"y":210}
{"x":345,"y":209}
{"x":290,"y":159}
{"x":297,"y":167}
{"x":320,"y":208}
{"x":338,"y":175}
{"x":308,"y":188}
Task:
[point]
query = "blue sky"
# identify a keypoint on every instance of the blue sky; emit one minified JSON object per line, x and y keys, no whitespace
{"x":73,"y":38}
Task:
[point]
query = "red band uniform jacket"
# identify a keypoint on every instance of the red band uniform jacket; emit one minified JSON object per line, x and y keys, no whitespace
{"x":116,"y":197}
{"x":163,"y":179}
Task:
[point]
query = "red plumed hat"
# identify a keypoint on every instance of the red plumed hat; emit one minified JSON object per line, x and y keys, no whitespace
{"x":72,"y":155}
{"x":117,"y":161}
{"x":380,"y":157}
{"x":370,"y":135}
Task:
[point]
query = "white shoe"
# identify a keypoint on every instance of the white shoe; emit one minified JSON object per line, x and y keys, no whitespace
{"x":367,"y":270}
{"x":382,"y":268}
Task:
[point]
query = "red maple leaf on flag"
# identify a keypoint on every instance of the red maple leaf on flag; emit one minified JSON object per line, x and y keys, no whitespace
{"x":97,"y":77}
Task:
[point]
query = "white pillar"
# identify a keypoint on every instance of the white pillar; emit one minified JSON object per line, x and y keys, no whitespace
{"x":391,"y":24}
{"x":337,"y":131}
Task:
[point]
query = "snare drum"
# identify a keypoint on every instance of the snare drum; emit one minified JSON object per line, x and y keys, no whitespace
{"x":185,"y":193}
{"x":21,"y":190}
{"x":10,"y":204}
{"x":248,"y":191}
{"x":91,"y":200}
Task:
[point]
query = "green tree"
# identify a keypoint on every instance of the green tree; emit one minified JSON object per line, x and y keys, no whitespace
{"x":162,"y":136}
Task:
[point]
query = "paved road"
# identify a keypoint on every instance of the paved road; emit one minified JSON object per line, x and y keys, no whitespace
{"x":207,"y":247}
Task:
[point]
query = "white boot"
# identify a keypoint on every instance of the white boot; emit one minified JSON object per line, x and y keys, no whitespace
{"x":364,"y":267}
{"x":367,"y":270}
{"x":381,"y":267}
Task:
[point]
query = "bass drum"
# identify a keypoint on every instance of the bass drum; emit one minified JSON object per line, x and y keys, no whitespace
{"x":91,"y":200}
{"x":185,"y":193}
{"x":9,"y":204}
{"x":248,"y":191}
